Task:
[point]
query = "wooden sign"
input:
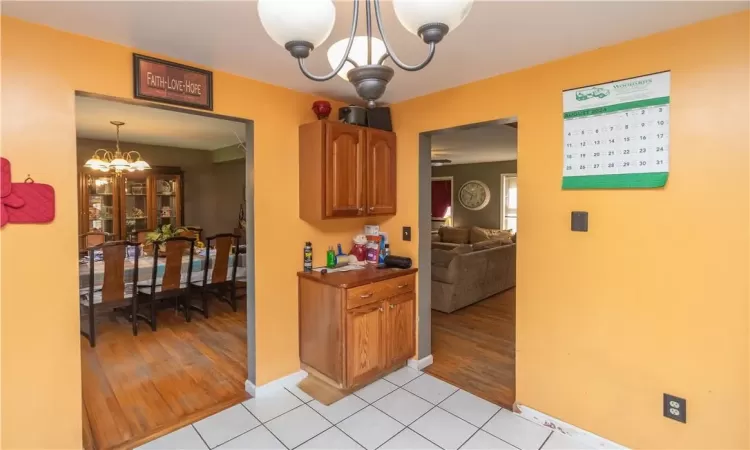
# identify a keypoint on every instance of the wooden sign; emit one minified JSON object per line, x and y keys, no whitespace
{"x":167,"y":82}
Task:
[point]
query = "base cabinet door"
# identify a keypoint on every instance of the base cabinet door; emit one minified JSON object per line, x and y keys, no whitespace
{"x":365,"y":353}
{"x":400,"y":328}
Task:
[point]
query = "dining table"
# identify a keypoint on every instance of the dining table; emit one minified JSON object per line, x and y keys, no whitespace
{"x":145,"y":269}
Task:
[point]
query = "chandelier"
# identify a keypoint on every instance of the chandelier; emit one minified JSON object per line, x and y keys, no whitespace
{"x":302,"y":25}
{"x":117,"y":161}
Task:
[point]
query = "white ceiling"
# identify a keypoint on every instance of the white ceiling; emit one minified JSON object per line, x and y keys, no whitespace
{"x":497,"y":37}
{"x":484,"y":143}
{"x":144,"y":125}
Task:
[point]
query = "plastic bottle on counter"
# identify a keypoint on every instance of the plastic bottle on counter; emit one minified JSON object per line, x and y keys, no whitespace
{"x":307,"y":265}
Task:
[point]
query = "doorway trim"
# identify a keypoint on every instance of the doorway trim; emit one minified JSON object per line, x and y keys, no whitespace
{"x":249,"y":209}
{"x":424,"y":222}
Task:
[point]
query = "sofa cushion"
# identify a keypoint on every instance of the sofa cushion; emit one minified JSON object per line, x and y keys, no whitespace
{"x":445,"y":245}
{"x":492,"y":243}
{"x":455,"y":235}
{"x":478,"y":234}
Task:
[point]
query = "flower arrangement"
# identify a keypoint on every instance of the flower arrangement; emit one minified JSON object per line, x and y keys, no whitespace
{"x":164,"y":232}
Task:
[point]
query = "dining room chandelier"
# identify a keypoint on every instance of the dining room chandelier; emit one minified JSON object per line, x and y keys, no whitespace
{"x":105,"y":160}
{"x":300,"y":26}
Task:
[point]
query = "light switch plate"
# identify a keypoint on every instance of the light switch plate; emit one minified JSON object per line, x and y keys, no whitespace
{"x":406,"y":235}
{"x":579,"y":221}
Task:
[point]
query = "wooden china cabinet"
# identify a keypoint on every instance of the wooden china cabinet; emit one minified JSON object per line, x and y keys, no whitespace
{"x":130,"y":202}
{"x":346,"y":171}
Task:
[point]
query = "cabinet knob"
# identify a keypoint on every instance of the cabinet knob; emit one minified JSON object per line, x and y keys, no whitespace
{"x":401,"y":286}
{"x":381,"y":309}
{"x":372,"y":208}
{"x":366,"y":295}
{"x":360,"y":209}
{"x":392,"y":306}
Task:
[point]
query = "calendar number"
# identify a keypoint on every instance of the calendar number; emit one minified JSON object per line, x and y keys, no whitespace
{"x":643,"y":138}
{"x":610,"y":165}
{"x":660,"y":122}
{"x":582,"y":167}
{"x":597,"y":153}
{"x":611,"y":141}
{"x":568,"y":167}
{"x":659,"y":162}
{"x":659,"y":149}
{"x":641,"y":163}
{"x":569,"y":145}
{"x":596,"y":166}
{"x":611,"y":153}
{"x":642,"y":150}
{"x":626,"y":164}
{"x":660,"y":135}
{"x":583,"y":144}
{"x":626,"y":152}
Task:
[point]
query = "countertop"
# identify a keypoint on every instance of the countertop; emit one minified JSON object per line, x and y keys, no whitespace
{"x":356,"y":278}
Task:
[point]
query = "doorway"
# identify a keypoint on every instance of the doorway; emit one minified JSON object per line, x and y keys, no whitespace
{"x":194,"y":353}
{"x":468,"y":259}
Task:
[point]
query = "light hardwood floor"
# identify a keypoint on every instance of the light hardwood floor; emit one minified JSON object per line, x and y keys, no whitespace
{"x":474,"y":348}
{"x":136,"y":388}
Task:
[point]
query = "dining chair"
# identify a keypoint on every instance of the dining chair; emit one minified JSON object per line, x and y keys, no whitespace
{"x":114,"y":292}
{"x":172,"y":283}
{"x":139,"y":236}
{"x":222,"y":279}
{"x":196,"y":232}
{"x":92,"y":238}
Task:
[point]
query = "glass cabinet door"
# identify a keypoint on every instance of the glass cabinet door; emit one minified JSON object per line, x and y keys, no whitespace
{"x":136,"y":205}
{"x":167,"y":200}
{"x":101,"y":203}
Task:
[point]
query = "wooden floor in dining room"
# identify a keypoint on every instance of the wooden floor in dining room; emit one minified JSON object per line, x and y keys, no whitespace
{"x":137,"y":388}
{"x":474,"y":348}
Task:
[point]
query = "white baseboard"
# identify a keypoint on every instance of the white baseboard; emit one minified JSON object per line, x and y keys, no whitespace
{"x":250,"y":387}
{"x":590,"y":440}
{"x":279,"y":383}
{"x":420,"y":364}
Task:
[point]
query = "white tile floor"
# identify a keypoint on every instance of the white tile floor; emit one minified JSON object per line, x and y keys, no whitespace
{"x":406,"y":410}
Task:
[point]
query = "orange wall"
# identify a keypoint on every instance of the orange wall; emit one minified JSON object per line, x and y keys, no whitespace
{"x":654,"y":298}
{"x":41,"y":69}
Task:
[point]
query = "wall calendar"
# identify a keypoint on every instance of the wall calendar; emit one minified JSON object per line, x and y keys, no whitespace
{"x":616,"y":135}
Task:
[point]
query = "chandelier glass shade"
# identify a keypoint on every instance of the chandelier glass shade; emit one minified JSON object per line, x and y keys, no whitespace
{"x":105,"y":160}
{"x":300,"y":26}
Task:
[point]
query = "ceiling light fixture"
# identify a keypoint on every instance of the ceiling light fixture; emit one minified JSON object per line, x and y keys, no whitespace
{"x":300,"y":26}
{"x":440,"y":162}
{"x":105,"y":160}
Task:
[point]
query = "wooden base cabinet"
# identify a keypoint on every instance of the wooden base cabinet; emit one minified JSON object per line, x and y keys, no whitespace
{"x":346,"y":171}
{"x":356,"y":326}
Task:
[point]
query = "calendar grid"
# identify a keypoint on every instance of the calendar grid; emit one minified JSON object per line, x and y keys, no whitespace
{"x":616,"y":135}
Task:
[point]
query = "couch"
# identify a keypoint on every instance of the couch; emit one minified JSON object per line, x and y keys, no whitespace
{"x":465,"y":273}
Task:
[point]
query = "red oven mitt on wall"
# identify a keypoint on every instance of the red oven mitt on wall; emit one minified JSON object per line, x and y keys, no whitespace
{"x":9,"y":200}
{"x":38,"y":203}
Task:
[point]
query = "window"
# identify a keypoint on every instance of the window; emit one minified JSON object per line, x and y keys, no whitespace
{"x":510,"y":202}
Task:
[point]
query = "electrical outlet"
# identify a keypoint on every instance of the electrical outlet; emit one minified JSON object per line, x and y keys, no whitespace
{"x":406,"y":235}
{"x":675,"y":408}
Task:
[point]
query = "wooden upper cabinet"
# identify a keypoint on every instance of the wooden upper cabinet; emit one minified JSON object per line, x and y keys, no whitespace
{"x":345,"y":171}
{"x":381,"y":172}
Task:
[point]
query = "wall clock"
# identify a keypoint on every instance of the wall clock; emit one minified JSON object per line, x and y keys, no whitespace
{"x":474,"y":195}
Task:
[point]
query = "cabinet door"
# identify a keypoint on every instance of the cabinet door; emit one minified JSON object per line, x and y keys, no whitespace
{"x":365,"y":354}
{"x":400,"y":328}
{"x":167,"y":200}
{"x":135,"y":204}
{"x":381,"y":172}
{"x":102,"y":203}
{"x":344,"y":170}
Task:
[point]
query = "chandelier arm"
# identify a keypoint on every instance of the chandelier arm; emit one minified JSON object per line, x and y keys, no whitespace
{"x":389,"y":51}
{"x":368,"y":21}
{"x":355,"y":17}
{"x":352,"y":62}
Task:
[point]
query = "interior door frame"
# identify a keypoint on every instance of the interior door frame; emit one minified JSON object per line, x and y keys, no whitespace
{"x":249,"y":209}
{"x":424,"y":229}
